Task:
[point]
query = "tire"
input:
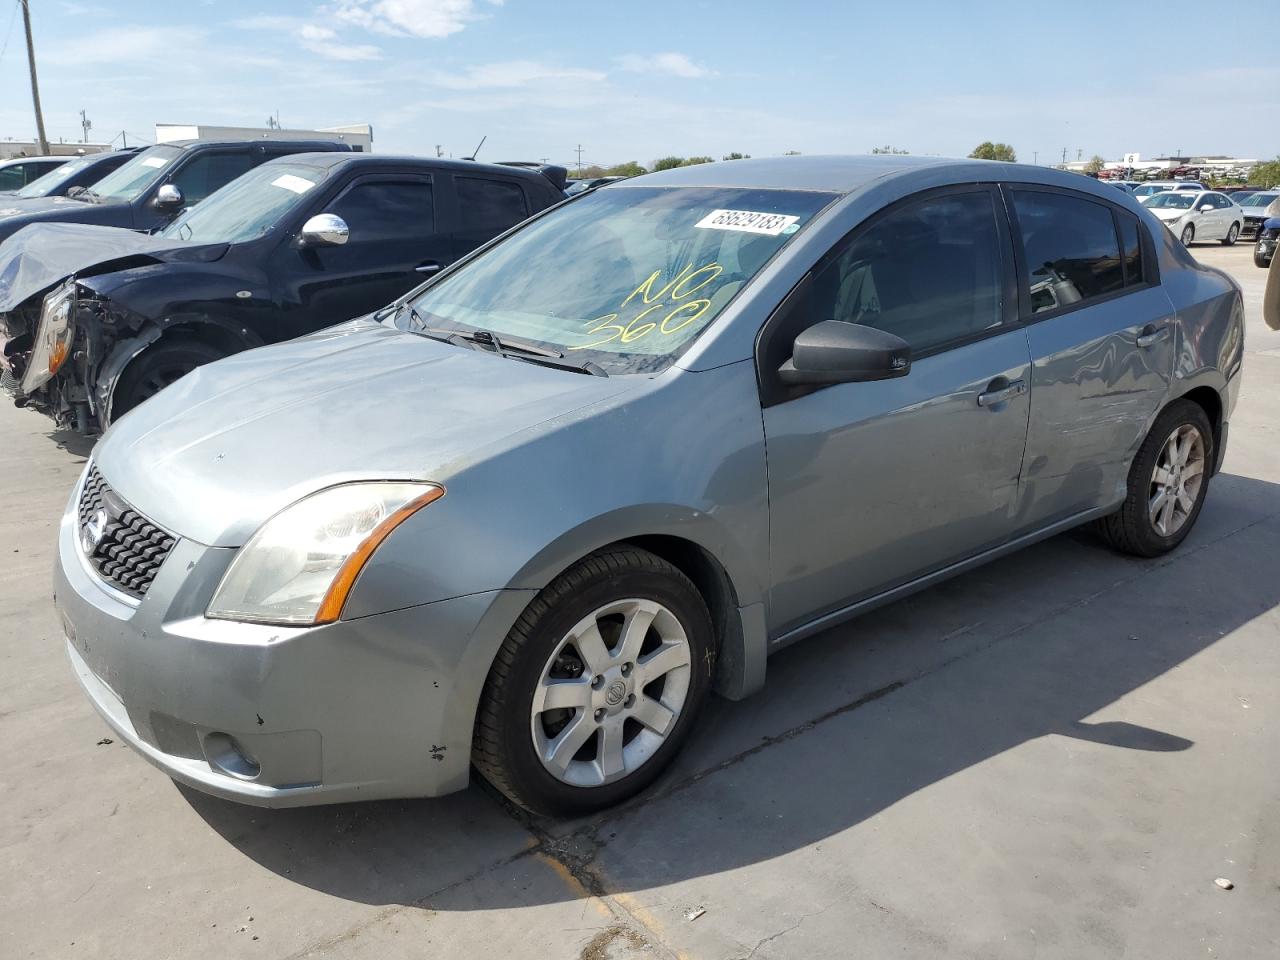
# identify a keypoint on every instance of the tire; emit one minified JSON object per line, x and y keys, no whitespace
{"x":1188,"y":235}
{"x":1230,"y":239}
{"x":157,"y":367}
{"x":1132,"y":529}
{"x":1259,"y":260}
{"x":512,"y":738}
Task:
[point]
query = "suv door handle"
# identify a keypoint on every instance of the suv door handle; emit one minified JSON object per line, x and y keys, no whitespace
{"x":1151,"y":334}
{"x":991,"y":397}
{"x":427,"y":266}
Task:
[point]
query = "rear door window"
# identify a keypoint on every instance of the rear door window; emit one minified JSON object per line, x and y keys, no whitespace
{"x":1070,"y":249}
{"x":490,"y":205}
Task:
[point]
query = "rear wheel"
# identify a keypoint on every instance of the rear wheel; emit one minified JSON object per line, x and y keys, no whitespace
{"x":1167,"y":484}
{"x":1188,"y":235}
{"x":1230,"y":239}
{"x":597,"y":685}
{"x":156,"y":368}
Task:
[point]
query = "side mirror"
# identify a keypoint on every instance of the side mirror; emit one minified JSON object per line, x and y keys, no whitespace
{"x":1206,"y":207}
{"x":835,"y":352}
{"x":324,"y":230}
{"x":168,"y":196}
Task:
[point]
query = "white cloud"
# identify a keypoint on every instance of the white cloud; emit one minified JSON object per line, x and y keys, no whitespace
{"x":427,"y":19}
{"x":324,"y":41}
{"x":514,"y":73}
{"x":674,"y":64}
{"x":121,"y":45}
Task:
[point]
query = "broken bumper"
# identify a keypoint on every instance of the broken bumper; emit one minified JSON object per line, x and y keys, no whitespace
{"x":377,"y":707}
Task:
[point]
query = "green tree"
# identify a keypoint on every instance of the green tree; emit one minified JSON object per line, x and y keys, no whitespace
{"x":892,"y":150}
{"x":993,"y":151}
{"x":737,"y":156}
{"x":1095,"y":164}
{"x":1266,"y":174}
{"x":693,"y":161}
{"x":667,"y":163}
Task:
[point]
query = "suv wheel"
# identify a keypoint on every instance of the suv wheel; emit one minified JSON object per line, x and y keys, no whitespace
{"x":156,"y":368}
{"x":597,"y":685}
{"x":1167,"y":484}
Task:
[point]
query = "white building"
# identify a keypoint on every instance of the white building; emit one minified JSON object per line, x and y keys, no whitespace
{"x":29,"y":148}
{"x":358,"y":135}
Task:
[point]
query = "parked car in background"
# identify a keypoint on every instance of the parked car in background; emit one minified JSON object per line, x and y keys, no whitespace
{"x":97,"y":319}
{"x":1153,"y":187}
{"x":531,"y":516}
{"x":78,"y":172}
{"x":1264,"y":249}
{"x":1254,"y":207}
{"x":153,"y":187}
{"x":17,"y":172}
{"x":1126,"y":185}
{"x":575,"y":187}
{"x":1197,"y":215}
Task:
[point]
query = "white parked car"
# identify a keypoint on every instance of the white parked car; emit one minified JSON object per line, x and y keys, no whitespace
{"x":1153,"y":187}
{"x":1202,"y":215}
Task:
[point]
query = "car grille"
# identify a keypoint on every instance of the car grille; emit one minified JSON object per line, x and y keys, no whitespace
{"x":123,"y":546}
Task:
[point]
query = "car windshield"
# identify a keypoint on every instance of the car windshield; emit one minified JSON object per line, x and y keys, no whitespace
{"x":1259,"y":200}
{"x":1148,"y":189}
{"x":247,"y":207}
{"x":1180,"y":200}
{"x":129,"y":181}
{"x":625,"y":277}
{"x":45,"y":185}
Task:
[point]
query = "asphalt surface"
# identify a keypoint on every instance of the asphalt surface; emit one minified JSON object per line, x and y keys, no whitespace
{"x":1054,"y":756}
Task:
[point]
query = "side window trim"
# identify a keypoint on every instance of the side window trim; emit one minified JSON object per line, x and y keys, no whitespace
{"x":776,"y":326}
{"x":1150,"y":272}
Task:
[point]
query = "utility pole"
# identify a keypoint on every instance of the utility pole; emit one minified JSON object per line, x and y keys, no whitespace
{"x":1079,"y":154}
{"x":41,"y":140}
{"x":86,"y":125}
{"x":1064,"y":156}
{"x":1035,"y":157}
{"x":579,"y":158}
{"x":439,"y":152}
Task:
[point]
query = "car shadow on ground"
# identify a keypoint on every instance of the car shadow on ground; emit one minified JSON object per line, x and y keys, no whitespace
{"x":1030,"y":646}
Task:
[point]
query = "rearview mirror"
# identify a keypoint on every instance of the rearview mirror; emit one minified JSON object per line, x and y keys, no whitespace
{"x":835,"y":352}
{"x":168,"y":196}
{"x":324,"y":230}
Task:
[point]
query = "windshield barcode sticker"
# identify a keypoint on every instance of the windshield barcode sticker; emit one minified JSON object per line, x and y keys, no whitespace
{"x":290,"y":182}
{"x":747,"y":221}
{"x":154,"y":162}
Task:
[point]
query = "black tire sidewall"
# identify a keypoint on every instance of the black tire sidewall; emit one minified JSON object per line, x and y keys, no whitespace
{"x":1178,"y":414}
{"x":537,"y":787}
{"x":185,"y":353}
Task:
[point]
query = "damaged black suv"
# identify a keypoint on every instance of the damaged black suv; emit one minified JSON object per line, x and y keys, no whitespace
{"x":95,"y":320}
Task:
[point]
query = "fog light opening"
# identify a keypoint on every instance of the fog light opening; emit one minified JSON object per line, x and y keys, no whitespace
{"x":226,"y":755}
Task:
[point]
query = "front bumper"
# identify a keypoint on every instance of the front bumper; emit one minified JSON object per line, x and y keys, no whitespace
{"x":377,"y":707}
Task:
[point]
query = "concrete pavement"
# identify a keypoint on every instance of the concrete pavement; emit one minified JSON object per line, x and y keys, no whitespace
{"x":1053,"y":756}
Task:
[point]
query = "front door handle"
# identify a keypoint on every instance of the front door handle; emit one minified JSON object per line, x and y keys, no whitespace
{"x":1151,"y":334}
{"x":427,"y":266}
{"x":991,"y":397}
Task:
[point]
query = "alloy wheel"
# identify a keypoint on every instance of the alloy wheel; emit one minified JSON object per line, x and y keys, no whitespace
{"x":611,"y":692}
{"x":1188,"y":234}
{"x":1176,"y":480}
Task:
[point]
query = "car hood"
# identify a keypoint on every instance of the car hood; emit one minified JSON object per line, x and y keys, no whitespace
{"x":40,"y":256}
{"x":217,"y":453}
{"x":1169,"y":213}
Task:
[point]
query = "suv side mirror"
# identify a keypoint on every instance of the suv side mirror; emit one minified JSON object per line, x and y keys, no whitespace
{"x":835,"y":352}
{"x":168,"y":196}
{"x":324,"y":230}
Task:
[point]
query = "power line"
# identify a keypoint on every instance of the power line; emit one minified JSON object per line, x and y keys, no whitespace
{"x":13,"y":18}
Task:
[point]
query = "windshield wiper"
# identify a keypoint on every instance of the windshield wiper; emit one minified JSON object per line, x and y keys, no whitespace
{"x":509,"y":347}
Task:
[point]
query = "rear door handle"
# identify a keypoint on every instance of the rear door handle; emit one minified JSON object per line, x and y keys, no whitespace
{"x":1000,"y":395}
{"x":1151,"y":334}
{"x":427,"y":266}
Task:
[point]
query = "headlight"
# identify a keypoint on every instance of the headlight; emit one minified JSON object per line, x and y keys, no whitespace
{"x":53,"y":338}
{"x":300,"y":565}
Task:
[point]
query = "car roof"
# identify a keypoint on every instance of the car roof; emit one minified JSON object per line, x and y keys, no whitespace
{"x":8,"y":160}
{"x":328,"y":160}
{"x":318,"y":145}
{"x":852,"y":174}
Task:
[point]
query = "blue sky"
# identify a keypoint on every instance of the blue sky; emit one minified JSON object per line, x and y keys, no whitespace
{"x":658,"y":77}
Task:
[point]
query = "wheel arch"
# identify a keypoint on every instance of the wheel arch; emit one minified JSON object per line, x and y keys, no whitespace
{"x":1209,"y":399}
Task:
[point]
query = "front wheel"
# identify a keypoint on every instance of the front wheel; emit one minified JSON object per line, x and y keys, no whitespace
{"x":1230,"y":239}
{"x":1167,"y":484}
{"x":156,"y":368}
{"x":596,"y":686}
{"x":1259,"y":260}
{"x":1188,"y":235}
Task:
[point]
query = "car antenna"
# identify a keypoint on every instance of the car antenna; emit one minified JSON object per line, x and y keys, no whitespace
{"x":477,"y":149}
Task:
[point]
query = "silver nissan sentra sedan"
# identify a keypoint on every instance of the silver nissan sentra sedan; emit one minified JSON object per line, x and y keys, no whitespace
{"x":527,"y":518}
